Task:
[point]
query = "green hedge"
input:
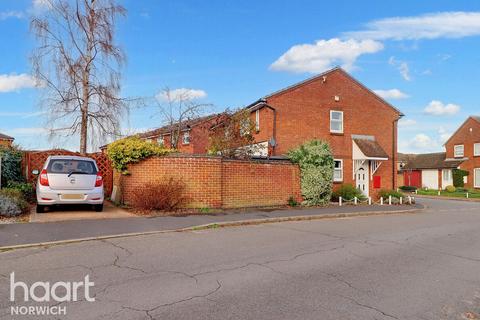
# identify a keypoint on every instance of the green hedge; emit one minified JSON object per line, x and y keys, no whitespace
{"x":11,"y":165}
{"x":316,"y":171}
{"x":458,"y":175}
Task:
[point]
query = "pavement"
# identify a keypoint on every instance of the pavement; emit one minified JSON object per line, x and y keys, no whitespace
{"x":404,"y":266}
{"x":30,"y":233}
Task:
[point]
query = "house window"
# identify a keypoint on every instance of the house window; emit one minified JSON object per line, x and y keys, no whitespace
{"x":338,"y":171}
{"x":186,"y":137}
{"x":336,"y":121}
{"x":160,"y":140}
{"x":459,"y":150}
{"x":245,"y":127}
{"x":447,"y":175}
{"x":476,"y":149}
{"x":257,"y":120}
{"x":477,"y":178}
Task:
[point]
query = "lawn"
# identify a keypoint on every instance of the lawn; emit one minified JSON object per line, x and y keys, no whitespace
{"x":429,"y":192}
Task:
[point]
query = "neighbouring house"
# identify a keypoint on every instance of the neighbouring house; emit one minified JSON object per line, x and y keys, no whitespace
{"x":6,"y":141}
{"x":402,"y":160}
{"x":430,"y":170}
{"x":464,"y":146}
{"x":360,"y":127}
{"x":193,"y":135}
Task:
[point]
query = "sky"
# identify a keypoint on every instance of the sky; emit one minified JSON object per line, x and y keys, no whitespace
{"x":421,"y":56}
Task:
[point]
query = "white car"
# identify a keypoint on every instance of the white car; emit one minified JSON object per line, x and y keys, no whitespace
{"x":69,"y":180}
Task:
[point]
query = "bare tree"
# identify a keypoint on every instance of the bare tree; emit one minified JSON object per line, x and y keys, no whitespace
{"x":78,"y":62}
{"x":178,"y":108}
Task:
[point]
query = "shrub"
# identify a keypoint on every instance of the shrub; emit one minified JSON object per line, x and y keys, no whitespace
{"x":450,"y":189}
{"x":12,"y":203}
{"x":11,"y":165}
{"x":458,"y":175}
{"x":316,"y":171}
{"x":292,"y":202}
{"x":385,"y":193}
{"x":160,"y":195}
{"x":347,"y":192}
{"x":408,"y":188}
{"x":132,"y":149}
{"x":26,"y":189}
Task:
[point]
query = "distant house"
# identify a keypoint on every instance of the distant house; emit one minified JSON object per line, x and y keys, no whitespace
{"x":430,"y":170}
{"x":6,"y":141}
{"x":464,"y":146}
{"x":360,"y":127}
{"x":194,"y":135}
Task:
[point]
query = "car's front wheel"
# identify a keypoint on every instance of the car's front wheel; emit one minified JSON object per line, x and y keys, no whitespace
{"x":98,"y":207}
{"x":40,"y":208}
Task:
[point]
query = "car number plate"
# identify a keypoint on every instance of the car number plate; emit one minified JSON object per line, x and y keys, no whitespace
{"x":72,"y":196}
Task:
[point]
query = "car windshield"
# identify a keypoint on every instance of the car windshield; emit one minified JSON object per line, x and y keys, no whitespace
{"x":71,"y":166}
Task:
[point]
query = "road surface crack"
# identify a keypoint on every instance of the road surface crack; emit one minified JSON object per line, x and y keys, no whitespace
{"x":368,"y":307}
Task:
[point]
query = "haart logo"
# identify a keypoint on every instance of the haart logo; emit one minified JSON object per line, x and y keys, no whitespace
{"x":61,"y":291}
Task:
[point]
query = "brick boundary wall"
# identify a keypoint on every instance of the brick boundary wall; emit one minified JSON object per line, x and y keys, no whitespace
{"x":218,"y":183}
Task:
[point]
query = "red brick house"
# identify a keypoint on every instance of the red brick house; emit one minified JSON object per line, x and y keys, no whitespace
{"x":464,"y":145}
{"x":193,"y":136}
{"x":6,"y":141}
{"x":360,"y":127}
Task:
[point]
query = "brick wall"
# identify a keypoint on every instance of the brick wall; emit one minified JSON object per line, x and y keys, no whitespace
{"x":468,"y":134}
{"x":214,"y":182}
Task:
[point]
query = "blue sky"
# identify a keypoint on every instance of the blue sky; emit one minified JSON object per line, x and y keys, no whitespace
{"x":423,"y":56}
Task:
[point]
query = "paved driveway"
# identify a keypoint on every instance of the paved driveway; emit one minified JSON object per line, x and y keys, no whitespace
{"x":422,"y":266}
{"x":79,"y":212}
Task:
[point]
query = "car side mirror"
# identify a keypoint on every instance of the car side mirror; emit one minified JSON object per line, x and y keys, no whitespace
{"x":35,"y":172}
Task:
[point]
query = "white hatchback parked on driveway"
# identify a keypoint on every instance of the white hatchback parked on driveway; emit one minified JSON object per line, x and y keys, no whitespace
{"x":69,"y":180}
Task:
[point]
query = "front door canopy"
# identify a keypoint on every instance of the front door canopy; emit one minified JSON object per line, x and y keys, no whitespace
{"x":368,"y":149}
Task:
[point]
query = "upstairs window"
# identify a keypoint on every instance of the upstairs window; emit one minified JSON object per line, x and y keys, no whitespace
{"x":336,"y":121}
{"x":476,"y":149}
{"x":257,"y":120}
{"x":160,"y":140}
{"x":459,"y":151}
{"x":186,"y":137}
{"x":338,"y":171}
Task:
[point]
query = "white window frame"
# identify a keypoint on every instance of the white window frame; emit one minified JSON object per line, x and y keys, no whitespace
{"x":186,"y":137}
{"x":257,"y":120}
{"x":338,"y":169}
{"x":456,"y":153}
{"x":476,"y":149}
{"x":161,"y":140}
{"x":337,"y":121}
{"x":476,"y":184}
{"x":449,"y":174}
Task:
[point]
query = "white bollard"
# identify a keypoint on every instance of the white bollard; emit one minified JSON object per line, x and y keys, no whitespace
{"x":467,"y":195}
{"x":389,"y":200}
{"x":369,"y":201}
{"x":340,"y":201}
{"x":438,"y":192}
{"x":355,"y":200}
{"x":381,"y":201}
{"x":409,"y":200}
{"x":401,"y":200}
{"x":416,"y":191}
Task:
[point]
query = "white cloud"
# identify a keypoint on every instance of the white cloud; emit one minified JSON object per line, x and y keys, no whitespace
{"x":22,"y":114}
{"x":420,"y":143}
{"x":324,"y":54}
{"x":427,"y":26}
{"x":14,"y":82}
{"x":40,"y":5}
{"x":402,"y":67}
{"x":27,"y":131}
{"x":438,"y":108}
{"x":181,"y":94}
{"x":406,"y":122}
{"x":11,"y":14}
{"x":391,"y":94}
{"x":444,"y":134}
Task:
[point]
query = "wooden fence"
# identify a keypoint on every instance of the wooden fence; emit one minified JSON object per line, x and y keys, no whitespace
{"x":35,"y":160}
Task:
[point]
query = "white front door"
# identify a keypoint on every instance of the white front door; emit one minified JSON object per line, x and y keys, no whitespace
{"x":362,"y":178}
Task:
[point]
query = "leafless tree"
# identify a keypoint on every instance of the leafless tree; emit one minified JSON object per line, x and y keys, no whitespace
{"x":178,"y":108}
{"x":78,"y":63}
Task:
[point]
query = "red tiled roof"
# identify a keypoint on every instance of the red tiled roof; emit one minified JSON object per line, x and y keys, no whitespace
{"x":5,"y":137}
{"x":370,"y":148}
{"x":431,"y":161}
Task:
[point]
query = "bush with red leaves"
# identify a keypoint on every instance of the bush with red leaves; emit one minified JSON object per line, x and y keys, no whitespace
{"x":165,"y":195}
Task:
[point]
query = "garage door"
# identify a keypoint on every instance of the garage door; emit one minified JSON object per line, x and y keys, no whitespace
{"x":430,"y":179}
